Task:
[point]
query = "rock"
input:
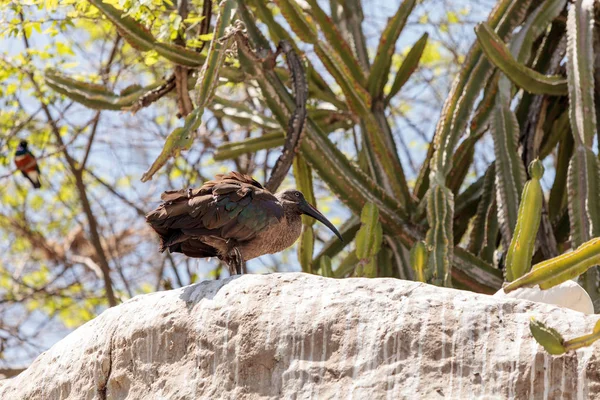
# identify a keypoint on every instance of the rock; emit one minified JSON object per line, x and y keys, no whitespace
{"x":568,"y":295}
{"x":303,"y":336}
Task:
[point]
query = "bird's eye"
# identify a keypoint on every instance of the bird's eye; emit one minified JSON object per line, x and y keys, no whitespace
{"x":297,"y":194}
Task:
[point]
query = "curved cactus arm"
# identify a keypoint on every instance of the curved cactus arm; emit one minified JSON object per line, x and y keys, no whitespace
{"x":557,"y":270}
{"x":549,"y":338}
{"x":554,"y":343}
{"x":527,"y":78}
{"x":136,"y":34}
{"x":520,"y":251}
{"x":95,"y":96}
{"x":535,"y":25}
{"x":408,"y":66}
{"x":180,"y":139}
{"x":380,"y":69}
{"x":180,"y":55}
{"x":510,"y":170}
{"x":140,"y":38}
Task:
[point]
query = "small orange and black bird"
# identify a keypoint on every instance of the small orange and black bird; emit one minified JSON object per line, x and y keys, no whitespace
{"x":27,"y":164}
{"x":233,"y":218}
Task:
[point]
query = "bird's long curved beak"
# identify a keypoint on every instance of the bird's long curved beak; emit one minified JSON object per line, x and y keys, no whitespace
{"x":308,"y":209}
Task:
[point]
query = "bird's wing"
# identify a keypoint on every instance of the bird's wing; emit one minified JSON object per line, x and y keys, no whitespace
{"x":233,"y":206}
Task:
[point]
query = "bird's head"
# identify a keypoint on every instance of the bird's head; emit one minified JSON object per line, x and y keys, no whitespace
{"x":295,"y":200}
{"x":23,"y":144}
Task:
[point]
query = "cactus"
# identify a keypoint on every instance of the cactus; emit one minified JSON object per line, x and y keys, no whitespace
{"x":369,"y":239}
{"x":553,"y":341}
{"x":528,"y":79}
{"x":444,"y":206}
{"x":520,"y":252}
{"x":557,"y":270}
{"x":418,"y":261}
{"x":182,"y":137}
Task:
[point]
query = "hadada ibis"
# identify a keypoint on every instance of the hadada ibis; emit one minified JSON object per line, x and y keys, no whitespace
{"x":233,"y":218}
{"x":27,"y":164}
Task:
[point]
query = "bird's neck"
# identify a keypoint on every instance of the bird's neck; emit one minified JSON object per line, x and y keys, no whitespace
{"x":291,"y":212}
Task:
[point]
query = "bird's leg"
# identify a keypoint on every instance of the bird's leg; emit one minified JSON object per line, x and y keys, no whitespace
{"x":234,"y":259}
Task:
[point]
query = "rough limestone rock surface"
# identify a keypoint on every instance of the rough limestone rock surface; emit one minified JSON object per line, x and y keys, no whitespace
{"x":300,"y":336}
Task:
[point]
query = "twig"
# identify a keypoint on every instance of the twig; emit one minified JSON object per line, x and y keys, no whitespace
{"x":154,"y":94}
{"x":184,"y":102}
